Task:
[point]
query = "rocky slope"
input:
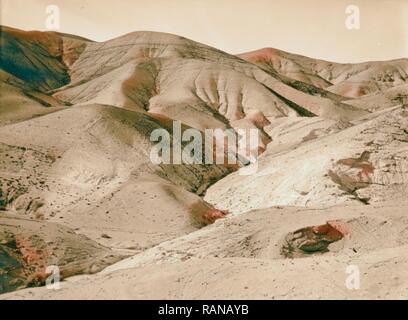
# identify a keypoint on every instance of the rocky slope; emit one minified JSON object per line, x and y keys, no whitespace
{"x":362,"y":162}
{"x":28,"y":248}
{"x":348,"y":80}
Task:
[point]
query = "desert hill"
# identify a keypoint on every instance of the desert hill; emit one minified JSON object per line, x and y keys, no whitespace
{"x":75,"y":123}
{"x":349,"y":80}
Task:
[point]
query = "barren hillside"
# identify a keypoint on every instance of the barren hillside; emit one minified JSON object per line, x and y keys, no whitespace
{"x":77,"y":182}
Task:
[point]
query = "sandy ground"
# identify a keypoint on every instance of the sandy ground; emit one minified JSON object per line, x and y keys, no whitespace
{"x":240,"y":258}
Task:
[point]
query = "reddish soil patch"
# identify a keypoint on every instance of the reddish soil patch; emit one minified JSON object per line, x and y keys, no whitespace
{"x":29,"y":254}
{"x":314,"y":239}
{"x":203,"y":214}
{"x":261,"y":55}
{"x":362,"y":163}
{"x":351,"y":182}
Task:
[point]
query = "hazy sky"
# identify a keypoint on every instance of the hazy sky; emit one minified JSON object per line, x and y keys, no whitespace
{"x":314,"y":28}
